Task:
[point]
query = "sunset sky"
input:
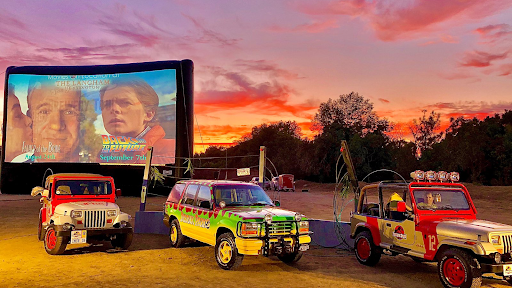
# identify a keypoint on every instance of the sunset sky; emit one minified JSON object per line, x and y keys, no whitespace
{"x":264,"y":61}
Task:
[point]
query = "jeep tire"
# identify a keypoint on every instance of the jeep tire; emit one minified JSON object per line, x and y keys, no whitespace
{"x":367,"y":253}
{"x":456,"y":268}
{"x":290,"y":257}
{"x":123,"y":241}
{"x":176,"y":238}
{"x":53,"y":244}
{"x":226,"y":252}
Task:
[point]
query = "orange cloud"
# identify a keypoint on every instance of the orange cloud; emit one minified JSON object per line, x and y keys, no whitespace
{"x":240,"y":92}
{"x":383,"y":100}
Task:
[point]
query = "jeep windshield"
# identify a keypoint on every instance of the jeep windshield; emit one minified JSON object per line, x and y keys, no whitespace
{"x":241,"y":195}
{"x":440,"y":199}
{"x":83,"y":187}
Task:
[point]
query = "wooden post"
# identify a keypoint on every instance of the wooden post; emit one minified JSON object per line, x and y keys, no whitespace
{"x":145,"y":178}
{"x":261,"y":174}
{"x":351,"y":171}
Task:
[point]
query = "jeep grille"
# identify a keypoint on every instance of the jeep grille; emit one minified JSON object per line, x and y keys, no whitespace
{"x":507,"y":243}
{"x":280,"y":228}
{"x":95,"y":219}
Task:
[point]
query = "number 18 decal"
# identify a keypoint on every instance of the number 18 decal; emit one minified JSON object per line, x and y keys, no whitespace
{"x":431,"y":242}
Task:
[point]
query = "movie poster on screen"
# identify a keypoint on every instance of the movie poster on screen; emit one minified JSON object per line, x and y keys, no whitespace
{"x":101,"y":118}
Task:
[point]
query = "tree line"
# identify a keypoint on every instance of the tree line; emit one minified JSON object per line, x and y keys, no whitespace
{"x":480,"y":150}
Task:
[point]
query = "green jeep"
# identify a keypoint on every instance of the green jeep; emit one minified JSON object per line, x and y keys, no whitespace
{"x":238,"y":218}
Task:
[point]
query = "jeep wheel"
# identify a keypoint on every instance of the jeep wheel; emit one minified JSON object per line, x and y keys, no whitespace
{"x":53,"y":244}
{"x":458,"y":269}
{"x":367,"y":253}
{"x":226,"y":252}
{"x":290,"y":257}
{"x":123,"y":241}
{"x":175,"y":237}
{"x":40,"y":230}
{"x":508,"y":279}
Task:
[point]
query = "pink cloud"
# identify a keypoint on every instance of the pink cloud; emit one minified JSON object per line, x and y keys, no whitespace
{"x":394,"y":20}
{"x":315,"y":27}
{"x":494,"y":32}
{"x":505,"y":69}
{"x":481,"y":59}
{"x":267,"y":67}
{"x":82,"y":54}
{"x":205,"y":35}
{"x":344,"y":7}
{"x":383,"y":100}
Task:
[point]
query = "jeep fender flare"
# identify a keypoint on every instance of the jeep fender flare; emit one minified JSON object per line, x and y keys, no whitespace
{"x":474,"y":249}
{"x":122,"y":217}
{"x":60,"y":220}
{"x":223,"y":229}
{"x":366,"y":226}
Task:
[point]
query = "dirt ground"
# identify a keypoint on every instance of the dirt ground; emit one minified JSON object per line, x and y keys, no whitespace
{"x":150,"y":262}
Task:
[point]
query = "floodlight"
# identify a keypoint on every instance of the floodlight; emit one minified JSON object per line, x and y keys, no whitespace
{"x":454,"y":176}
{"x":442,"y":176}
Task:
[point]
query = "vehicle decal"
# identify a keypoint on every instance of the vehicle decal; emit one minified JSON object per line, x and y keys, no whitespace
{"x":374,"y":228}
{"x":399,"y":233}
{"x":196,"y":221}
{"x":430,"y":240}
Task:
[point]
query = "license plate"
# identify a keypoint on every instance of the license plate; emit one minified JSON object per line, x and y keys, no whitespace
{"x":304,"y":247}
{"x":507,"y":269}
{"x":78,"y":237}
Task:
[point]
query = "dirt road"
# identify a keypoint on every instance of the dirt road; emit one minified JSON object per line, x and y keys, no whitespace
{"x":150,"y":262}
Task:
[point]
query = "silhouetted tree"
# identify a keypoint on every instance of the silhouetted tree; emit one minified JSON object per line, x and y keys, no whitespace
{"x":352,"y":111}
{"x":424,"y":131}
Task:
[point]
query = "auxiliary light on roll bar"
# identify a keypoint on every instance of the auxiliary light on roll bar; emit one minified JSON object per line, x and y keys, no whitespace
{"x":432,"y":176}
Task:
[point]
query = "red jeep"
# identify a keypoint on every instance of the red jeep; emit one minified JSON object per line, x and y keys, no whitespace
{"x":80,"y":208}
{"x":431,"y":220}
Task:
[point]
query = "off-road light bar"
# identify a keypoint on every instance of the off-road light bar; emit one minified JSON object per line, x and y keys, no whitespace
{"x":432,"y":176}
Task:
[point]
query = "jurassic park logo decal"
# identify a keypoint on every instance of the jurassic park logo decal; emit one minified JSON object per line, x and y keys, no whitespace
{"x":399,"y":233}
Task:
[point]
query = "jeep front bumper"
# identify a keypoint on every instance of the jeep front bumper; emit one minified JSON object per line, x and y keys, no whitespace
{"x":96,"y":232}
{"x":267,"y":246}
{"x":502,"y":269}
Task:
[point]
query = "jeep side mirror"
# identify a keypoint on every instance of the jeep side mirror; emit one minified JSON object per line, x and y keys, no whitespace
{"x":277,"y":203}
{"x":401,"y":207}
{"x":118,"y":192}
{"x":38,"y":190}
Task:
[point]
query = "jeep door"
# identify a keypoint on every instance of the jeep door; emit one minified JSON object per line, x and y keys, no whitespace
{"x":396,"y":228}
{"x":203,"y":208}
{"x":187,"y":208}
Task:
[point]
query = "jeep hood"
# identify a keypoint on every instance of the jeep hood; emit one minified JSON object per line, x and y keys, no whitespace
{"x":470,"y":229}
{"x":260,"y":212}
{"x":84,"y":205}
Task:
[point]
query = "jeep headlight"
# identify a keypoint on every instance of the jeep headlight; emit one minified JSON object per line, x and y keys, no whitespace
{"x":495,"y":240}
{"x":268,"y":218}
{"x":76,"y":214}
{"x":249,"y":229}
{"x":111,"y":213}
{"x":497,"y":258}
{"x":303,"y":227}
